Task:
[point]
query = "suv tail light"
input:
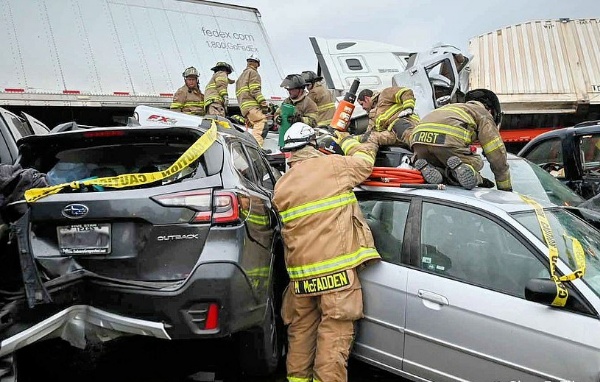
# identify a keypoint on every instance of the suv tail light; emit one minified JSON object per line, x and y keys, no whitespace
{"x":225,"y":208}
{"x":220,"y":208}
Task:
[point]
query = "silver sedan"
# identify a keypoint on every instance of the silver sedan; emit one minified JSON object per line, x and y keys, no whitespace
{"x":465,"y":291}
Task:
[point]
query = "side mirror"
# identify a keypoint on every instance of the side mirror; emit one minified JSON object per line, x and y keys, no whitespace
{"x":543,"y":291}
{"x":540,"y":290}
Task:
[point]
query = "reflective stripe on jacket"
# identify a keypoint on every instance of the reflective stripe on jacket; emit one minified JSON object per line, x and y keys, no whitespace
{"x":305,"y":107}
{"x":248,"y":90}
{"x":188,"y":101}
{"x":461,"y":124}
{"x":216,"y":90}
{"x":325,"y":104}
{"x":388,"y":104}
{"x":324,"y":230}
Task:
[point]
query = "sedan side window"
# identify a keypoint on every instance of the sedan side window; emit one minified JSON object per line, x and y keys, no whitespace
{"x":387,"y":220}
{"x":472,"y":248}
{"x":549,"y":156}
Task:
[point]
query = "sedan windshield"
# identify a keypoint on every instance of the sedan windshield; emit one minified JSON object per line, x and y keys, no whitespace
{"x":530,"y":179}
{"x":567,"y":228}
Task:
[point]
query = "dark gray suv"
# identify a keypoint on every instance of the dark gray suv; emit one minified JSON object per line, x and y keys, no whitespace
{"x":192,"y":254}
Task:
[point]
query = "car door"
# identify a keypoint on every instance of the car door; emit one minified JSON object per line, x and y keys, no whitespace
{"x":466,"y":316}
{"x":380,"y":334}
{"x":255,"y":207}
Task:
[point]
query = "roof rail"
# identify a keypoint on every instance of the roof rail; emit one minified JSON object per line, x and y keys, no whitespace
{"x":588,"y":123}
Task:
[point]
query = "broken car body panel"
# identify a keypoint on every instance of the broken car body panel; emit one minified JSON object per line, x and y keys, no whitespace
{"x":191,"y":256}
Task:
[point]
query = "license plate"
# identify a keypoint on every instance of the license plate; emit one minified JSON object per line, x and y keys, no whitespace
{"x":84,"y":239}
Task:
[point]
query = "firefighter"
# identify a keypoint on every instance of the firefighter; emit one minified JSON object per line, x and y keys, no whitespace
{"x":216,"y":97}
{"x":391,"y":115}
{"x":324,"y":297}
{"x":188,"y":98}
{"x":322,"y":97}
{"x":306,"y":108}
{"x":442,"y":142}
{"x":253,"y":104}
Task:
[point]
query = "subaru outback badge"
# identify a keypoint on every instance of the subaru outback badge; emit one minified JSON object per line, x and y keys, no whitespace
{"x":75,"y":211}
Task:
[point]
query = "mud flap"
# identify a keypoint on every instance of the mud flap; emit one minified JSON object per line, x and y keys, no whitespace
{"x":34,"y":288}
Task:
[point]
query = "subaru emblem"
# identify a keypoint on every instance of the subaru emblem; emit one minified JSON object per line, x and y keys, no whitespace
{"x":75,"y":211}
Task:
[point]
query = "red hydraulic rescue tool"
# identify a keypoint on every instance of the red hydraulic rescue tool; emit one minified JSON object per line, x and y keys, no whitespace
{"x":341,"y":118}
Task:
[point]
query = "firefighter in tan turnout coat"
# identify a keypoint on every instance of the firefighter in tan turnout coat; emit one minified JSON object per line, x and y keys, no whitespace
{"x":253,"y":104}
{"x":441,"y":142}
{"x":322,"y":97}
{"x":216,"y":97}
{"x":306,"y":109}
{"x":391,"y":115}
{"x":324,"y":296}
{"x":188,"y":98}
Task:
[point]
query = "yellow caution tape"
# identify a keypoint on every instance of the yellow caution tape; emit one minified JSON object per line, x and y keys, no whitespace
{"x":561,"y":291}
{"x":131,"y":180}
{"x":223,"y":124}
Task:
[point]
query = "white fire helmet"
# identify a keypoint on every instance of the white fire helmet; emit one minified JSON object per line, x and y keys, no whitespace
{"x":253,"y":57}
{"x":297,"y":136}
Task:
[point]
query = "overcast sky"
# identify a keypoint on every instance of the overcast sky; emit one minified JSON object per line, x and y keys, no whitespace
{"x":412,"y":24}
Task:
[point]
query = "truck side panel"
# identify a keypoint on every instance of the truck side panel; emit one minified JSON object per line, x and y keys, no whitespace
{"x":122,"y":53}
{"x":550,"y":66}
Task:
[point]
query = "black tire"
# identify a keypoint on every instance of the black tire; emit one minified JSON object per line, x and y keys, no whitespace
{"x":261,"y":348}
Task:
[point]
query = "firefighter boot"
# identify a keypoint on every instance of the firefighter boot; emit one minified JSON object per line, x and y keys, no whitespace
{"x":465,"y":174}
{"x":431,"y":174}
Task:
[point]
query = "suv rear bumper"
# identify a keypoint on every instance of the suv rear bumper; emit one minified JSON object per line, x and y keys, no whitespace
{"x":87,"y":306}
{"x":76,"y":323}
{"x":183,"y":310}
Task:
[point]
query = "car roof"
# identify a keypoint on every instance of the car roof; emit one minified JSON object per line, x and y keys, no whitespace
{"x":490,"y":200}
{"x":590,"y":127}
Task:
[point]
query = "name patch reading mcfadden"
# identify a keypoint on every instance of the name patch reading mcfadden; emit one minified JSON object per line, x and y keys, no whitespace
{"x":322,"y":283}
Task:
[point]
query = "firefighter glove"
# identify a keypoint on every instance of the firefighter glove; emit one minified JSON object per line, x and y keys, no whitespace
{"x":278,"y":119}
{"x":264,"y":108}
{"x":405,"y":113}
{"x":296,"y":117}
{"x":339,"y":136}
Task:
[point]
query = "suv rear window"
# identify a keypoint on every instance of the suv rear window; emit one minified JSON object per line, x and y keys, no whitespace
{"x":83,"y":159}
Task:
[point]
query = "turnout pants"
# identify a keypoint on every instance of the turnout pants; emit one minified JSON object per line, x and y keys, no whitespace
{"x":216,"y":108}
{"x":321,"y":332}
{"x":438,"y":156}
{"x":397,"y":135}
{"x":258,"y":122}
